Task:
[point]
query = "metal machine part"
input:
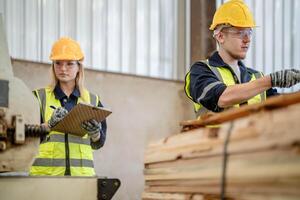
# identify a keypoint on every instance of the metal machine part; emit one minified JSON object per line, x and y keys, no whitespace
{"x":4,"y":93}
{"x":49,"y":188}
{"x":18,"y":142}
{"x":13,"y":130}
{"x":16,"y":133}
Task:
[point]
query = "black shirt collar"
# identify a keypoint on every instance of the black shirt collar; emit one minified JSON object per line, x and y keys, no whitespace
{"x":216,"y":61}
{"x":59,"y":94}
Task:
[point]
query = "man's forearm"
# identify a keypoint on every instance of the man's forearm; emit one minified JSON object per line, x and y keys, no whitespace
{"x":240,"y":93}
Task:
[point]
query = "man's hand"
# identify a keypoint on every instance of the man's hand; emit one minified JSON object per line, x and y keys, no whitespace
{"x":285,"y":78}
{"x":92,"y":127}
{"x":57,"y":115}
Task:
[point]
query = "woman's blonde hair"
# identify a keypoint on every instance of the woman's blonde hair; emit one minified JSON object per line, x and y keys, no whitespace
{"x":79,"y":80}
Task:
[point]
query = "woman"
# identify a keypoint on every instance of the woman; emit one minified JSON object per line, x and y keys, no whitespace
{"x":61,"y":153}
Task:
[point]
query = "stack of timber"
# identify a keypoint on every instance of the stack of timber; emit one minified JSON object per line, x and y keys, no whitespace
{"x":263,"y":151}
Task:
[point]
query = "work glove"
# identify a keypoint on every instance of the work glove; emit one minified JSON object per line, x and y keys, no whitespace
{"x":92,"y":127}
{"x":57,"y":115}
{"x":285,"y":78}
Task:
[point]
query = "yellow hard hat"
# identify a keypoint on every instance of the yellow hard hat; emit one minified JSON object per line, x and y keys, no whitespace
{"x":66,"y":49}
{"x":234,"y":12}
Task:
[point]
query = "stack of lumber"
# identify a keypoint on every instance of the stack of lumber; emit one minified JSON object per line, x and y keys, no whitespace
{"x":263,"y":156}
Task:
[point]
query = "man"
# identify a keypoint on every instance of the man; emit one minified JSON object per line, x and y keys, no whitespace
{"x":223,"y":81}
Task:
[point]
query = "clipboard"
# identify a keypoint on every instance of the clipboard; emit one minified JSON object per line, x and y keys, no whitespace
{"x":71,"y":123}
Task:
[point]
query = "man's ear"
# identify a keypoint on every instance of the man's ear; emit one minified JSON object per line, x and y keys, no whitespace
{"x":220,"y":37}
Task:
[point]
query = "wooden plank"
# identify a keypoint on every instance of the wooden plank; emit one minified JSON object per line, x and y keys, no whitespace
{"x":229,"y":196}
{"x":178,"y":196}
{"x":261,"y":165}
{"x":259,"y":182}
{"x":272,"y":186}
{"x":165,"y":196}
{"x":271,"y":103}
{"x":231,"y":191}
{"x":273,"y":172}
{"x":258,"y":132}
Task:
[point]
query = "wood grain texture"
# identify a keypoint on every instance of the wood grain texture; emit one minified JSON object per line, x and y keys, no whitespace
{"x":235,"y":113}
{"x":263,"y":157}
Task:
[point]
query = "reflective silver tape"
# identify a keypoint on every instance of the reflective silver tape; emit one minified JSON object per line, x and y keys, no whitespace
{"x":42,"y":96}
{"x":207,"y":89}
{"x":214,"y":70}
{"x":262,"y":95}
{"x":60,"y":162}
{"x":93,"y":99}
{"x":71,"y":139}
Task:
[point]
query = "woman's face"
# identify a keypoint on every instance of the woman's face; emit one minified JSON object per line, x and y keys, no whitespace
{"x":66,"y":70}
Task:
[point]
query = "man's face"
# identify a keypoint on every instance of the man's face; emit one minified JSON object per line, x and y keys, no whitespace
{"x":236,"y":41}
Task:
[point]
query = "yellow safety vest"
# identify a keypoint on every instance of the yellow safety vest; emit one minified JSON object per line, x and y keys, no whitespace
{"x":51,"y":159}
{"x":224,"y":75}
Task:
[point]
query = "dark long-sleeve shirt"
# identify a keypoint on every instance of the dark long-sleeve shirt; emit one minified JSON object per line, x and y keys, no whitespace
{"x":201,"y":76}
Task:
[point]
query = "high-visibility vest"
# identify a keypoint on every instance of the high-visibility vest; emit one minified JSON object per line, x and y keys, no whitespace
{"x":224,"y":75}
{"x":51,"y":159}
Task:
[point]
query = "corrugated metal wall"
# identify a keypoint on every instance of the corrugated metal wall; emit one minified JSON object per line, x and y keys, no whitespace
{"x":128,"y":36}
{"x":275,"y":42}
{"x":142,"y":36}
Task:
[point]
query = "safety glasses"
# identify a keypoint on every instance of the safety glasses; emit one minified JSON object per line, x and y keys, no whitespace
{"x":238,"y":33}
{"x":68,"y":64}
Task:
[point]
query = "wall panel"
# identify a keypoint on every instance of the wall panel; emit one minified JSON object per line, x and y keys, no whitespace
{"x":128,"y":36}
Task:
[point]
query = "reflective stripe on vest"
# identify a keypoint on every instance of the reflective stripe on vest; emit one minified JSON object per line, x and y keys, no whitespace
{"x":225,"y":76}
{"x":263,"y":95}
{"x":60,"y":162}
{"x":93,"y":99}
{"x":51,"y":157}
{"x":41,"y":96}
{"x":71,"y":139}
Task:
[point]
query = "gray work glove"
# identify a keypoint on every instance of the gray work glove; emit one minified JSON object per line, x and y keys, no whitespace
{"x":285,"y":78}
{"x":92,"y":127}
{"x":57,"y":115}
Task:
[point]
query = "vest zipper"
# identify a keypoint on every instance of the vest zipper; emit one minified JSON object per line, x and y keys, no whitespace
{"x":236,"y":79}
{"x":67,"y":150}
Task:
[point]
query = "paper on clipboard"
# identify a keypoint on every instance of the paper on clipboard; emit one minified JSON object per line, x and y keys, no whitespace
{"x":71,"y":123}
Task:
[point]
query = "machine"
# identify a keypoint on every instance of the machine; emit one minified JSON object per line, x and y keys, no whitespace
{"x":20,"y":134}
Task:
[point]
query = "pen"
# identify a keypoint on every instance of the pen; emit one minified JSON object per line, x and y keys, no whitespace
{"x":53,"y":107}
